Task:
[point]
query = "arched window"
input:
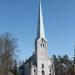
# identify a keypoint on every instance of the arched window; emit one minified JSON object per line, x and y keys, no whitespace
{"x":43,"y":73}
{"x":43,"y":45}
{"x":42,"y":65}
{"x":50,"y":70}
{"x":42,"y":39}
{"x":50,"y":74}
{"x":34,"y":70}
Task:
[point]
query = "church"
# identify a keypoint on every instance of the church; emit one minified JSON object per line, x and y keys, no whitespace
{"x":39,"y":63}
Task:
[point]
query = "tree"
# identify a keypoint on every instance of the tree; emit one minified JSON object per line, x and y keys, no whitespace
{"x":55,"y":59}
{"x":60,"y":59}
{"x":63,"y":65}
{"x":7,"y":52}
{"x":60,"y":64}
{"x":15,"y":69}
{"x":66,"y":59}
{"x":56,"y":62}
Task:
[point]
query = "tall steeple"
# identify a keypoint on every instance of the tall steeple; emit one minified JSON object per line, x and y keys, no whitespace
{"x":40,"y":30}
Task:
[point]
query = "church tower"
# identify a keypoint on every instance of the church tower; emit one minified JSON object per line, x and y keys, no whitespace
{"x":41,"y":41}
{"x":41,"y":48}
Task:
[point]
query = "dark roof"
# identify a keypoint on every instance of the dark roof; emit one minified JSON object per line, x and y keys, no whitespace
{"x":31,"y":60}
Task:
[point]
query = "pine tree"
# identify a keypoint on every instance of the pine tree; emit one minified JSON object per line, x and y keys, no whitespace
{"x":74,"y":58}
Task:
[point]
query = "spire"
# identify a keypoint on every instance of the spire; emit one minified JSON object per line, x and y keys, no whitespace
{"x":40,"y":30}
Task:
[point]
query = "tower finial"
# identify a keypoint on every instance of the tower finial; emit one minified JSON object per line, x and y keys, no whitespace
{"x":40,"y":31}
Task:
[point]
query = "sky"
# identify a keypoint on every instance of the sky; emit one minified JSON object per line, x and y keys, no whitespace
{"x":20,"y":19}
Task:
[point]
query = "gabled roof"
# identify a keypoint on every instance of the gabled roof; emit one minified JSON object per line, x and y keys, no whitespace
{"x":31,"y":61}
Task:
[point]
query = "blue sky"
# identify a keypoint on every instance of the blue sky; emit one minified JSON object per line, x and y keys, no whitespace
{"x":20,"y":18}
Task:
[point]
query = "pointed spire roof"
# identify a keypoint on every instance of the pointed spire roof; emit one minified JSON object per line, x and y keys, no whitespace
{"x":40,"y":30}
